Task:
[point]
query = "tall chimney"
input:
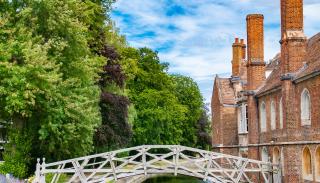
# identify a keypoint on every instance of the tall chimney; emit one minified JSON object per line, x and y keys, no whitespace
{"x":255,"y":78}
{"x":293,"y":40}
{"x":255,"y":41}
{"x":236,"y":57}
{"x":291,"y":15}
{"x":244,"y":49}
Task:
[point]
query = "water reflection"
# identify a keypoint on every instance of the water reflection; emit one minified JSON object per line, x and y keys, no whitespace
{"x":173,"y":179}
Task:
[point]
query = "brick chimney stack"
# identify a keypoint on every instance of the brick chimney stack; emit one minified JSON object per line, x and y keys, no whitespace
{"x":237,"y":57}
{"x":293,"y":40}
{"x":255,"y":41}
{"x":244,"y":49}
{"x":255,"y":78}
{"x":293,"y":51}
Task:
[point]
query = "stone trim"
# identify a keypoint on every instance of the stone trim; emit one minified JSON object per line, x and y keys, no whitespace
{"x":249,"y":92}
{"x":306,"y":77}
{"x":287,"y":76}
{"x":256,"y":63}
{"x":269,"y":144}
{"x":272,"y":90}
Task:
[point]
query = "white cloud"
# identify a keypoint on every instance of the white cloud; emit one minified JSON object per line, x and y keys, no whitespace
{"x":197,"y":42}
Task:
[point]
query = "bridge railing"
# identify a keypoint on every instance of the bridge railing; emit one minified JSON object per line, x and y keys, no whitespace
{"x":155,"y":159}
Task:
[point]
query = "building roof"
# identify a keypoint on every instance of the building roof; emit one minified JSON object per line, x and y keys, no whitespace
{"x":312,"y":58}
{"x":273,"y":62}
{"x":273,"y":80}
{"x":225,"y":91}
{"x":312,"y":65}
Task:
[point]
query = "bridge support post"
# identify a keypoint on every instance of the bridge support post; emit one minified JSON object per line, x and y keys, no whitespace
{"x":110,"y":157}
{"x":37,"y":173}
{"x":209,"y":158}
{"x":144,"y":161}
{"x":42,"y":171}
{"x":176,"y":152}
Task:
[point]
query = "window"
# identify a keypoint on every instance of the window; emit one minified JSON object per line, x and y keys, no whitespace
{"x":305,"y":108}
{"x":264,"y":157}
{"x":317,"y":164}
{"x":247,"y":118}
{"x":273,"y":116}
{"x":239,"y":119}
{"x":276,"y":156}
{"x":306,"y":164}
{"x":243,"y":118}
{"x":263,"y":124}
{"x":280,"y":114}
{"x":276,"y":159}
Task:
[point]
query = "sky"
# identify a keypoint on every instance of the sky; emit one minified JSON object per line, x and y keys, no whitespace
{"x":195,"y":36}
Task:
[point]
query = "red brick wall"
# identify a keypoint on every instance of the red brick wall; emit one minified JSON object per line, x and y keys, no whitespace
{"x":216,"y":116}
{"x":295,"y":132}
{"x":229,"y":126}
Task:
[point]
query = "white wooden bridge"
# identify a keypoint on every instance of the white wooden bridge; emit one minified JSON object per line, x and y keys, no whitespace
{"x":156,"y":159}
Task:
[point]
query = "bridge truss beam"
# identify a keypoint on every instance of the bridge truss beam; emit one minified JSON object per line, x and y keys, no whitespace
{"x":157,"y":159}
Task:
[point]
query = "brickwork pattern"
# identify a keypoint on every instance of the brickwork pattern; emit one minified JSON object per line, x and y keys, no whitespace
{"x":255,"y":38}
{"x":237,"y":57}
{"x":299,"y":58}
{"x":291,"y":15}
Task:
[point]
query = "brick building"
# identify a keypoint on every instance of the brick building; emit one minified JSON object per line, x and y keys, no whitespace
{"x":272,"y":111}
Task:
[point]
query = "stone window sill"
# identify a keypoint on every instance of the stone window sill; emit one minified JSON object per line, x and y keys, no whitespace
{"x":308,"y":177}
{"x":305,"y":122}
{"x":242,"y":133}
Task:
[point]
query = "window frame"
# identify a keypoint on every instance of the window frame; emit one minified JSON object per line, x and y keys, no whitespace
{"x":317,"y":164}
{"x":273,"y":124}
{"x":243,"y":119}
{"x":263,"y":117}
{"x":307,"y":175}
{"x":280,"y":114}
{"x":305,"y":116}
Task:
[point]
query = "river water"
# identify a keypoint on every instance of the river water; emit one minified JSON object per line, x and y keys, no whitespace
{"x":173,"y":179}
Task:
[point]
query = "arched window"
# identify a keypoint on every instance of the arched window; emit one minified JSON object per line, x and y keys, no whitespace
{"x":317,"y":157}
{"x":305,"y":108}
{"x":280,"y":114}
{"x":263,"y":120}
{"x":306,"y":164}
{"x":276,"y":156}
{"x":276,"y":159}
{"x":273,"y":116}
{"x":264,"y":157}
{"x":239,"y":120}
{"x":243,"y":118}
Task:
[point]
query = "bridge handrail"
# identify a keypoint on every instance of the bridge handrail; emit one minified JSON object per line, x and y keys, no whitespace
{"x":175,"y":159}
{"x":156,"y":147}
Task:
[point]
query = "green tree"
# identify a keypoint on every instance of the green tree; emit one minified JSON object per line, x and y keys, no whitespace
{"x":160,"y":116}
{"x":188,"y":94}
{"x":204,"y":130}
{"x":48,"y":78}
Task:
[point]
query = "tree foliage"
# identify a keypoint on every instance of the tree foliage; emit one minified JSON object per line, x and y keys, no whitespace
{"x":48,"y":77}
{"x":71,"y":85}
{"x":189,"y":95}
{"x":169,"y":107}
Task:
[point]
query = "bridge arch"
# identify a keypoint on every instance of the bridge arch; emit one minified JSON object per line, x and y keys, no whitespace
{"x":155,"y":159}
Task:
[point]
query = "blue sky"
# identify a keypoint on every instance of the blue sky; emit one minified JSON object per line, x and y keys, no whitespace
{"x":195,"y":36}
